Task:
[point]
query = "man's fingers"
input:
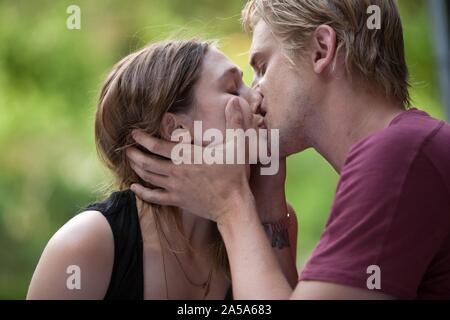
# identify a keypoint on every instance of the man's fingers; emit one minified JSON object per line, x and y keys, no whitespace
{"x":233,"y":115}
{"x":148,"y":163}
{"x":152,"y":178}
{"x":152,"y":144}
{"x":156,"y":196}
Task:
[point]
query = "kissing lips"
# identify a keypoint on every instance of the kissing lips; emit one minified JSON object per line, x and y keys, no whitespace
{"x":261,"y":124}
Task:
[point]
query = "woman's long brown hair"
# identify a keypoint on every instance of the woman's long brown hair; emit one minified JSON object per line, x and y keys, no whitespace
{"x":137,"y":93}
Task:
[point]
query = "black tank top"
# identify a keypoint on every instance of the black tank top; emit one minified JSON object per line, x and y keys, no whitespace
{"x":127,"y":279}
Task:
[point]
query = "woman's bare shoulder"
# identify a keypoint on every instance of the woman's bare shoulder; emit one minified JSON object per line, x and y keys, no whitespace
{"x":77,"y":261}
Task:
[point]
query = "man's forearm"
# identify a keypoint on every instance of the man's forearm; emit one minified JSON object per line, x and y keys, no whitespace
{"x":272,"y":208}
{"x":256,"y":272}
{"x":282,"y":235}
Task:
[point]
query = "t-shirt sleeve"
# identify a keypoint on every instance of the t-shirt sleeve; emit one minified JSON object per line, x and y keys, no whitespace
{"x":387,"y":213}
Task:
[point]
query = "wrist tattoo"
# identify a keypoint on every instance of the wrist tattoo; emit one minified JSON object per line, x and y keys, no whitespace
{"x":278,"y":232}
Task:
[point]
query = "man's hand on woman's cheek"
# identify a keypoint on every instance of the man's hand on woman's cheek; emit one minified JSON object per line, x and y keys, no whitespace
{"x":209,"y":191}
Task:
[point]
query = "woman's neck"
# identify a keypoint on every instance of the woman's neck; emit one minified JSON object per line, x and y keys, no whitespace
{"x":198,"y":231}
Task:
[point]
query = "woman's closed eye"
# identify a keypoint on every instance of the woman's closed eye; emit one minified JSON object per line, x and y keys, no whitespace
{"x":234,"y":90}
{"x":234,"y":82}
{"x":238,"y":86}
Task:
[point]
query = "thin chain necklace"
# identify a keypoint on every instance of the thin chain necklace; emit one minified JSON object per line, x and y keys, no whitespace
{"x":204,"y":285}
{"x":163,"y":262}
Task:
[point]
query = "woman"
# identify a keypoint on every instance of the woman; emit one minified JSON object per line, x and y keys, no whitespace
{"x":122,"y":248}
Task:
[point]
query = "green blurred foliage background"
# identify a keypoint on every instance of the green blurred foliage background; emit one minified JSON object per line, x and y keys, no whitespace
{"x":49,"y":82}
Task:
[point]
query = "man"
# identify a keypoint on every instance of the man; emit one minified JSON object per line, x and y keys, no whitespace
{"x":332,"y":83}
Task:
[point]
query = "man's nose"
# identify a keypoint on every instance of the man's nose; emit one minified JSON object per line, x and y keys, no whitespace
{"x":254,"y":99}
{"x":255,"y":82}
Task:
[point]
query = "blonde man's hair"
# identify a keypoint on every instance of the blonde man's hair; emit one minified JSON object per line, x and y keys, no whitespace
{"x":375,"y":54}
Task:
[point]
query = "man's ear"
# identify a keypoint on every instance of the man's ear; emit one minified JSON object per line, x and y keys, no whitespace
{"x":323,"y":48}
{"x":171,"y":122}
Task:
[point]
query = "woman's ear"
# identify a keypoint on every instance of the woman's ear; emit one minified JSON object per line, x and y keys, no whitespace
{"x":171,"y":122}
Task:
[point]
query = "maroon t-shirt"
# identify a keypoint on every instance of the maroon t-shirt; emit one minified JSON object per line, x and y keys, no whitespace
{"x":392,"y":210}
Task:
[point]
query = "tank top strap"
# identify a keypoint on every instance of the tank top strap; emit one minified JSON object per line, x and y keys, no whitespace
{"x":127,"y":279}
